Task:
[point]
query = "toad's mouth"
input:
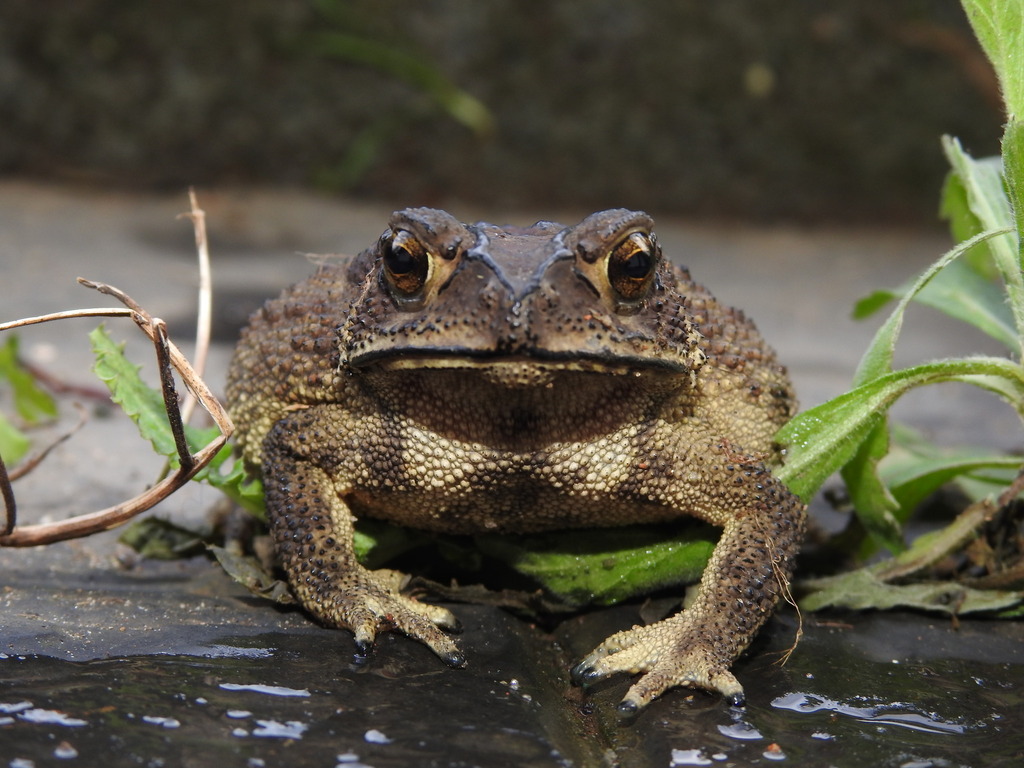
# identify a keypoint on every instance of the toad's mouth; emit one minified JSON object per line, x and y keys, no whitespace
{"x":537,"y":359}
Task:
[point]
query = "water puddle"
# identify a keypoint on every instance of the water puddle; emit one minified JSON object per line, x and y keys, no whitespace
{"x":284,"y":703}
{"x":896,"y":714}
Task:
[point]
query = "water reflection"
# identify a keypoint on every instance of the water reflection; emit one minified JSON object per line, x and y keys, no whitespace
{"x":895,"y":713}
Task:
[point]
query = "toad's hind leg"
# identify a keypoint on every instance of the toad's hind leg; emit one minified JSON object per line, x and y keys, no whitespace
{"x":312,"y":527}
{"x":742,"y":583}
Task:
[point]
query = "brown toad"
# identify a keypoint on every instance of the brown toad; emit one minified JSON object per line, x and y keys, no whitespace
{"x":473,"y":378}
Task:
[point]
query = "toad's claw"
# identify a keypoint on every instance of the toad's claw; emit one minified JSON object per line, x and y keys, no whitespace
{"x":666,"y":661}
{"x":373,"y":604}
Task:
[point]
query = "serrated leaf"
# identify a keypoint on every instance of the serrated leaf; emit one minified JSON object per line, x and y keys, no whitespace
{"x":143,"y":404}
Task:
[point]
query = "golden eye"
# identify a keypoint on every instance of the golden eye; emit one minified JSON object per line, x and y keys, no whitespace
{"x":406,"y":263}
{"x":631,"y":266}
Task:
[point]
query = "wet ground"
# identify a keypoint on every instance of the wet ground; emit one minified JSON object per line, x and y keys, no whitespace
{"x":105,"y":658}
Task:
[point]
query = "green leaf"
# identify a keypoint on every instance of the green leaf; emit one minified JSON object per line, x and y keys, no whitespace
{"x":33,"y":404}
{"x":873,"y":302}
{"x":963,"y":224}
{"x":159,"y":539}
{"x":376,"y":542}
{"x":412,"y":69}
{"x":14,"y":444}
{"x":145,"y":406}
{"x":1013,"y":168}
{"x":248,"y":571}
{"x":877,"y":360}
{"x":962,"y":293}
{"x":822,"y":439}
{"x":999,"y":26}
{"x":875,"y":505}
{"x":988,"y":201}
{"x":606,"y":566}
{"x":863,"y":589}
{"x":916,"y":468}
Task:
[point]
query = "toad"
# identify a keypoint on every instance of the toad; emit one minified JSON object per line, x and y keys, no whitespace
{"x":472,"y":378}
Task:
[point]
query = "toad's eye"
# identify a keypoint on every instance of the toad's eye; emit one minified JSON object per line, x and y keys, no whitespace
{"x":406,"y":263}
{"x":631,"y":266}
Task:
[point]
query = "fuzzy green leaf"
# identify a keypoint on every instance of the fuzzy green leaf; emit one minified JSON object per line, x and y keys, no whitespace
{"x":999,"y":26}
{"x":959,"y":291}
{"x":1013,"y":168}
{"x":877,"y":360}
{"x":875,"y":505}
{"x":822,"y":439}
{"x":987,"y":198}
{"x":962,"y":293}
{"x":916,"y":468}
{"x":964,"y":224}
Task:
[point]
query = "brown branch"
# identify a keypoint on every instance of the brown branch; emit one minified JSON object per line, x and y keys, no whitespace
{"x":94,"y":522}
{"x":37,"y":458}
{"x":10,"y":508}
{"x":170,"y":357}
{"x":205,"y":311}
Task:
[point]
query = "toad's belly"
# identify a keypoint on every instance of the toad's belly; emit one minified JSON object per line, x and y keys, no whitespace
{"x":523,"y":506}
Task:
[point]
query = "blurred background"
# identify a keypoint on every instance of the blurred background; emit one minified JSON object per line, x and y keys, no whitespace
{"x":798,"y":111}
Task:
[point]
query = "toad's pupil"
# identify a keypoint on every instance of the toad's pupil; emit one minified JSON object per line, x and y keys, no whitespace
{"x":399,"y":260}
{"x":638,"y":265}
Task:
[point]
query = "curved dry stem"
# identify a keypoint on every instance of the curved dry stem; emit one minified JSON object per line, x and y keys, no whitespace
{"x":205,"y":311}
{"x":170,"y":357}
{"x":10,"y":507}
{"x":37,"y":458}
{"x":105,"y":519}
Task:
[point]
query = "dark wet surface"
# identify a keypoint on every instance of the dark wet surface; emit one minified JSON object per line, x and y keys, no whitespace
{"x":172,"y":664}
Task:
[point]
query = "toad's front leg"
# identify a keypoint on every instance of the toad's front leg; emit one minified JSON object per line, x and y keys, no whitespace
{"x":312,"y":528}
{"x":763,"y":527}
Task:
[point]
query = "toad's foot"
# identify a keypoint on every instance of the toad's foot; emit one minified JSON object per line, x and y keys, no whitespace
{"x":668,"y":655}
{"x":370,"y":601}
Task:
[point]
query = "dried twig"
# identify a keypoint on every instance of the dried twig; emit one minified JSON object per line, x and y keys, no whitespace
{"x":205,"y":310}
{"x":170,"y":356}
{"x":37,"y":458}
{"x":10,"y":507}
